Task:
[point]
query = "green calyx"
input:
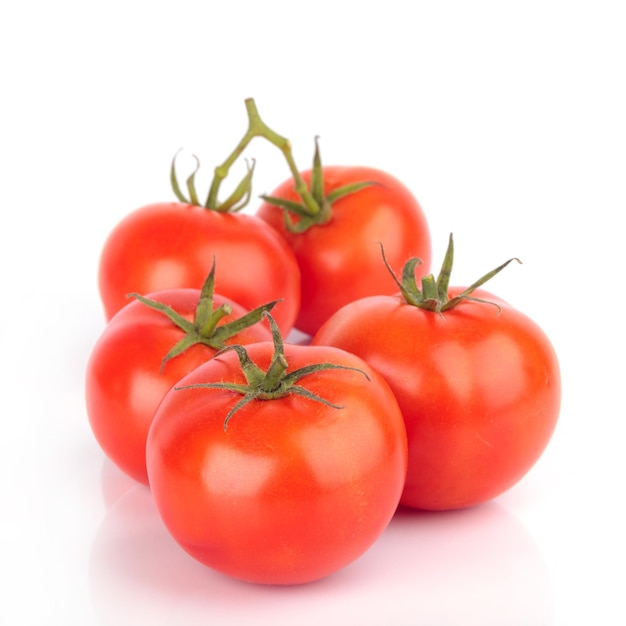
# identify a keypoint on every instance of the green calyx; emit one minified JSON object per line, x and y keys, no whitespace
{"x":321,"y":212}
{"x":237,"y":200}
{"x":314,"y":208}
{"x":433,"y":296}
{"x":273,"y":384}
{"x":205,"y":329}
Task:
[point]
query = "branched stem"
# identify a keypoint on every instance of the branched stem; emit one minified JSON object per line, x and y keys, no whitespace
{"x":258,"y":128}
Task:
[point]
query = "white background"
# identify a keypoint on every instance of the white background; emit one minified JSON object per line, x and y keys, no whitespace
{"x":506,"y":120}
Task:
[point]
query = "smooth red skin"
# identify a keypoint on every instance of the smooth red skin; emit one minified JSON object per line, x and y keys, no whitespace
{"x":124,"y":381}
{"x":169,"y":245}
{"x":341,"y":260}
{"x":480,"y":391}
{"x":293,"y":490}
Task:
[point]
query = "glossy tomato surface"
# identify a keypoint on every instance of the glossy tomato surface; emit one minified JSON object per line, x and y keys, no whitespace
{"x":341,"y":260}
{"x":479,"y":390}
{"x":125,"y":381}
{"x":293,"y":489}
{"x":170,"y":245}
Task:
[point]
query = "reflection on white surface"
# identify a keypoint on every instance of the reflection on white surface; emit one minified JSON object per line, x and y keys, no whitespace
{"x":114,"y":483}
{"x":478,"y":566}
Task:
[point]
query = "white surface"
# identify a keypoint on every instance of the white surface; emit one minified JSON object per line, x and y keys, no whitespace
{"x":506,"y":119}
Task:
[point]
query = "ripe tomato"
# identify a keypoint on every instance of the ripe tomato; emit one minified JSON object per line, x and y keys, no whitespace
{"x":127,"y":377}
{"x":478,"y":385}
{"x":173,"y":244}
{"x":292,"y":489}
{"x":339,"y":260}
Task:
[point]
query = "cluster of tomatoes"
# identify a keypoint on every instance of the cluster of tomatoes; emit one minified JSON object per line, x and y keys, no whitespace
{"x":278,"y":461}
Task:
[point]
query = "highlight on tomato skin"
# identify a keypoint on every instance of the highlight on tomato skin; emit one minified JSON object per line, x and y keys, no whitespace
{"x":478,"y":384}
{"x":292,"y":488}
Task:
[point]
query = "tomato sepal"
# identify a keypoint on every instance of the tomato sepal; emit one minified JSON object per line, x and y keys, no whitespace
{"x":434,"y":296}
{"x":322,"y":212}
{"x":237,"y":200}
{"x":205,"y":329}
{"x":273,"y":384}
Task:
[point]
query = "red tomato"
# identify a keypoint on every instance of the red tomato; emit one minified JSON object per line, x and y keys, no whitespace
{"x":126,"y":377}
{"x":293,"y":489}
{"x":479,"y":390}
{"x":340,"y":260}
{"x":168,"y":245}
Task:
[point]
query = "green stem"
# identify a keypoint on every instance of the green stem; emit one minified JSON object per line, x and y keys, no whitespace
{"x":258,"y":128}
{"x":207,"y":328}
{"x":275,"y":374}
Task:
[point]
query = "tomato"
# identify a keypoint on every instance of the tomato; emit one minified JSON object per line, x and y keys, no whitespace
{"x":127,"y":376}
{"x":173,"y":244}
{"x":339,"y":260}
{"x":291,"y":488}
{"x":478,"y":385}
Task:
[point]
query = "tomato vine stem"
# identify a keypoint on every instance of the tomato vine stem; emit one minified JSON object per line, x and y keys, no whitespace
{"x":314,"y":208}
{"x":258,"y":128}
